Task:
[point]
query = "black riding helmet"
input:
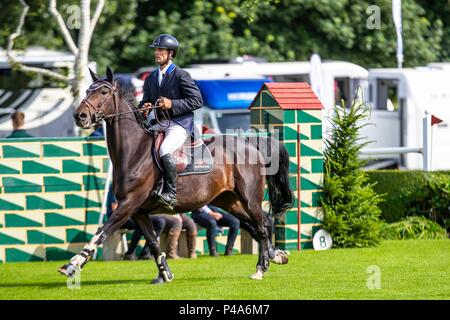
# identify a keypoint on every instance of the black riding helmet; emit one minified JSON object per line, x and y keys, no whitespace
{"x":166,"y":41}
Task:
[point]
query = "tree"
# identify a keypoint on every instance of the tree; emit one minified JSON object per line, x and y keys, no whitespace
{"x":350,"y":204}
{"x":277,"y":30}
{"x":80,"y":49}
{"x":439,"y":11}
{"x":337,"y":30}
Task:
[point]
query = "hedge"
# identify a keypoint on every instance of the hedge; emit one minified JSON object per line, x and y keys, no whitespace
{"x":401,"y":189}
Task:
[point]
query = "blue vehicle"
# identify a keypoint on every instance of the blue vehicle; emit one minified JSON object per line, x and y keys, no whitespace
{"x":226,"y":103}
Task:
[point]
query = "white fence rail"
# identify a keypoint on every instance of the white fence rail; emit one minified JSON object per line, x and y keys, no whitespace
{"x":425,"y":150}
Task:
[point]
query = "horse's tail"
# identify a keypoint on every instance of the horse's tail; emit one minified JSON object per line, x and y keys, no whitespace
{"x":281,"y":197}
{"x":280,"y":194}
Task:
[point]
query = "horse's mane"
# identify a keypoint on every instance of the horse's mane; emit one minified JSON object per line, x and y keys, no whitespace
{"x":126,"y":93}
{"x":125,"y":90}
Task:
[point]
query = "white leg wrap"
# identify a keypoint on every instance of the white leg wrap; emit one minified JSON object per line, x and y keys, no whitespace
{"x":258,"y":275}
{"x":281,"y":257}
{"x":79,"y":260}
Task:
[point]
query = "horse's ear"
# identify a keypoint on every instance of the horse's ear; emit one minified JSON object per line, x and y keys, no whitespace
{"x":109,"y":75}
{"x":93,"y":75}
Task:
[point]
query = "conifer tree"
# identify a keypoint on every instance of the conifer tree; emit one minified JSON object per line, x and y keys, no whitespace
{"x":350,"y":204}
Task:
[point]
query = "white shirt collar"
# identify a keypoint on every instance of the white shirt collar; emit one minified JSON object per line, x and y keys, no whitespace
{"x":164,"y":70}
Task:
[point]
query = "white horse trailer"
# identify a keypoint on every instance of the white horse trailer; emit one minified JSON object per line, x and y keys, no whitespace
{"x":340,"y":78}
{"x":47,"y":104}
{"x":400,"y":98}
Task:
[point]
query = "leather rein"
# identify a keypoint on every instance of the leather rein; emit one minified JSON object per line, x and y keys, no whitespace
{"x":99,"y":114}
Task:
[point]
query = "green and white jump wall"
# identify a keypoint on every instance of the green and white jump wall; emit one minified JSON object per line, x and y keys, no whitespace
{"x":51,"y":189}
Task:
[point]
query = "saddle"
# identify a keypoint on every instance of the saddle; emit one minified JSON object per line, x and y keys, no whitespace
{"x":193,"y":157}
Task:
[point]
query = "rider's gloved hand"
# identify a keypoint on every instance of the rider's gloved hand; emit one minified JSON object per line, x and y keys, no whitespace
{"x":146,"y":105}
{"x":165,"y":103}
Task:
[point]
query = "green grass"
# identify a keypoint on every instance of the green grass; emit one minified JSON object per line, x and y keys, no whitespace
{"x":410,"y":269}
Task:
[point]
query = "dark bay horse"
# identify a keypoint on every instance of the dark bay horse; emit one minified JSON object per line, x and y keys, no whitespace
{"x":235,"y":187}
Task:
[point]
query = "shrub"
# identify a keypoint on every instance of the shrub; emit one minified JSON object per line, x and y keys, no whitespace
{"x":413,"y":228}
{"x":432,"y":201}
{"x":392,"y":184}
{"x":351,"y":213}
{"x":410,"y":193}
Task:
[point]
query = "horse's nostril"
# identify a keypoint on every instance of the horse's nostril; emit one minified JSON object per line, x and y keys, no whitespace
{"x":82,"y":116}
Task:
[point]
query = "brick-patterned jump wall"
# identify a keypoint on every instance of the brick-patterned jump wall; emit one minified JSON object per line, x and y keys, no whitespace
{"x":51,"y":191}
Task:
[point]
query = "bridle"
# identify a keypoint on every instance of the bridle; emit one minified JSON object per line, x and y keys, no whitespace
{"x":99,"y":114}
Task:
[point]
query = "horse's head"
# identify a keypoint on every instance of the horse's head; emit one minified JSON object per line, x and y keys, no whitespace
{"x":96,"y":104}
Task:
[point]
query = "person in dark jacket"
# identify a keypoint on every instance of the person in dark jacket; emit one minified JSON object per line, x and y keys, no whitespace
{"x":18,"y":121}
{"x":172,"y":89}
{"x":211,"y":217}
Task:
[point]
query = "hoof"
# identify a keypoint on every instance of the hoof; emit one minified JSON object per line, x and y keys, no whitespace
{"x":258,"y":275}
{"x":158,"y":280}
{"x":130,"y":257}
{"x":281,"y":257}
{"x":68,"y":270}
{"x":162,"y":277}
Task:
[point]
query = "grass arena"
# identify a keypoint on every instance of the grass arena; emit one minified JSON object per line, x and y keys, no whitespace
{"x":410,"y":269}
{"x":50,"y":202}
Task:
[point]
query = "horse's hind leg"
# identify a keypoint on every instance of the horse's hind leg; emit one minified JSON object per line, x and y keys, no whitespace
{"x":262,"y":226}
{"x":146,"y":225}
{"x":250,"y":228}
{"x":276,"y":256}
{"x":253,"y":220}
{"x":251,"y":193}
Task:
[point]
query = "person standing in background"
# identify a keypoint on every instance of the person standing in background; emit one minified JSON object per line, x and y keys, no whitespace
{"x":18,"y":121}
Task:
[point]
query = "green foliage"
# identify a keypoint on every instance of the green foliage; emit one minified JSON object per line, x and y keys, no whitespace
{"x":116,"y":24}
{"x":274,"y":29}
{"x":350,"y":205}
{"x":205,"y":29}
{"x":391,"y":183}
{"x":40,"y":28}
{"x":410,"y":193}
{"x":432,"y":201}
{"x":413,"y":228}
{"x":439,"y":12}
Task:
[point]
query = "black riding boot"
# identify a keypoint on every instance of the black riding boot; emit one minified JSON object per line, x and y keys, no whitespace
{"x":169,"y":194}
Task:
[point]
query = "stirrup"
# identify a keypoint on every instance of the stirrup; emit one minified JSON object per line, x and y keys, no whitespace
{"x":169,"y":205}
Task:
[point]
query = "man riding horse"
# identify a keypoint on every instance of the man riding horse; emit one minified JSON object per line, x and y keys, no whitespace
{"x":173,"y":90}
{"x":236,"y":183}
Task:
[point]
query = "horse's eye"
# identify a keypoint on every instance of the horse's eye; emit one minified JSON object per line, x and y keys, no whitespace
{"x":104,"y":92}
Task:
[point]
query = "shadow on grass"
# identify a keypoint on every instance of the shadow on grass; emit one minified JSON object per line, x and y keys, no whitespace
{"x":63,"y":282}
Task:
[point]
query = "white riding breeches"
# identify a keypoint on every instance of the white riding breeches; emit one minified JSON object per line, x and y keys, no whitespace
{"x":175,"y":135}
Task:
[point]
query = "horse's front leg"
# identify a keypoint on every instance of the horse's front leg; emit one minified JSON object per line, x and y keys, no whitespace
{"x":146,"y":225}
{"x":115,"y":221}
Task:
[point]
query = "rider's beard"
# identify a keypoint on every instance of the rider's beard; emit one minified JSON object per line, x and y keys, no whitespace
{"x":163,"y":62}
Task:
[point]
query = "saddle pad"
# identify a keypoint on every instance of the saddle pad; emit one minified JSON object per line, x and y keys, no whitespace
{"x":199,"y":160}
{"x":192,"y":159}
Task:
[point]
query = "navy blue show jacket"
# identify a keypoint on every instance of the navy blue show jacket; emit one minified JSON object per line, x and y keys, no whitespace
{"x":178,"y":86}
